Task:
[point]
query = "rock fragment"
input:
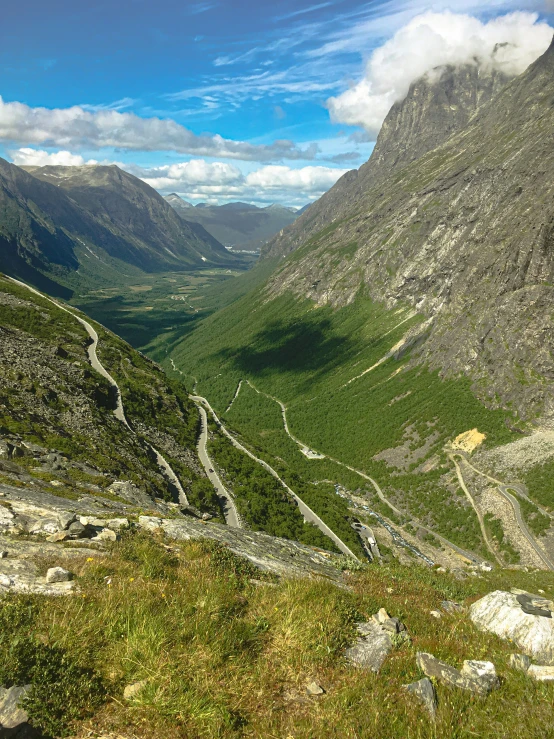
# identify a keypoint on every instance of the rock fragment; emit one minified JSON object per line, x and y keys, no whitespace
{"x":58,"y":574}
{"x":481,"y":670}
{"x":541,"y":672}
{"x":14,"y":720}
{"x":314,"y":688}
{"x":371,"y":648}
{"x":425,"y":691}
{"x":445,"y":673}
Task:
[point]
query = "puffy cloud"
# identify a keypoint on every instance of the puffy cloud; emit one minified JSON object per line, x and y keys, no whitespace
{"x":39,"y":158}
{"x":313,"y":180}
{"x":77,"y":127}
{"x":197,"y":172}
{"x":507,"y":43}
{"x":220,"y":181}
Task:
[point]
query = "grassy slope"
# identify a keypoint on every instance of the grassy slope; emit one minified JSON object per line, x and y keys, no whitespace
{"x":224,"y":658}
{"x":305,"y":356}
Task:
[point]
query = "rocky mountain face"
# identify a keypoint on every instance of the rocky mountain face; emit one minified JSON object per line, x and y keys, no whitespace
{"x":49,"y":216}
{"x":239,"y":225}
{"x":463,"y":235}
{"x":436,"y":107}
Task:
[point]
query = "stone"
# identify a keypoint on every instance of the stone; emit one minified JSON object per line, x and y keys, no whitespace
{"x":106,"y":535}
{"x":150,"y":523}
{"x":541,"y":672}
{"x":13,"y":719}
{"x":58,"y":574}
{"x":425,"y":691}
{"x":445,"y":673}
{"x":3,"y":555}
{"x":449,"y":606}
{"x":481,"y":670}
{"x":44,"y":526}
{"x":520,"y":662}
{"x":371,"y":647}
{"x":435,"y":614}
{"x":116,"y":524}
{"x":65,"y":519}
{"x":59,"y":536}
{"x":393,"y":625}
{"x":131,"y":691}
{"x":314,"y":688}
{"x":382,"y":616}
{"x":503,"y":614}
{"x":77,"y":530}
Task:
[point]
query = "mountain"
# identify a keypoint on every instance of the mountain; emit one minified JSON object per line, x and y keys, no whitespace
{"x":435,"y":107}
{"x":239,"y":225}
{"x":55,"y":221}
{"x":409,"y":314}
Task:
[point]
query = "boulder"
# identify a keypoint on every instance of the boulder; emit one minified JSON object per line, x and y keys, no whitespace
{"x":541,"y":672}
{"x":77,"y":530}
{"x":445,"y":673}
{"x":481,"y":670}
{"x":13,"y":719}
{"x":522,"y":618}
{"x":449,"y":606}
{"x":58,"y":574}
{"x":106,"y":535}
{"x":116,"y":524}
{"x":65,"y":519}
{"x":371,"y":648}
{"x":425,"y":691}
{"x":150,"y":523}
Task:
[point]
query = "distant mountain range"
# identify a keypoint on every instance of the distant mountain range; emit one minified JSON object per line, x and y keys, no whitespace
{"x":57,"y":222}
{"x":239,"y":225}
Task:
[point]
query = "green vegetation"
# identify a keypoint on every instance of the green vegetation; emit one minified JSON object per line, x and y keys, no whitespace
{"x":538,"y":522}
{"x":262,"y":501}
{"x":540,"y":483}
{"x":224,"y":658}
{"x":495,"y":529}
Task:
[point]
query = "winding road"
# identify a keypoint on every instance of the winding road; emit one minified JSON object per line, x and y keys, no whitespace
{"x":309,"y":515}
{"x":312,"y":454}
{"x":232,"y":517}
{"x":119,"y":411}
{"x":514,"y":503}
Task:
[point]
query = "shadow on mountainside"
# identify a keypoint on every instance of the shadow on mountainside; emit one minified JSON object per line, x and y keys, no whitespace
{"x":302,"y":349}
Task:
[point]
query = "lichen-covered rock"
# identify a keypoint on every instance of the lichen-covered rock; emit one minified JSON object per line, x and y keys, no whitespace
{"x":479,"y":684}
{"x":371,"y":647}
{"x":504,"y":614}
{"x":424,"y":690}
{"x":58,"y":574}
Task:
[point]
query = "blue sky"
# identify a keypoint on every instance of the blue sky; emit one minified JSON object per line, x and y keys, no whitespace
{"x":251,"y":73}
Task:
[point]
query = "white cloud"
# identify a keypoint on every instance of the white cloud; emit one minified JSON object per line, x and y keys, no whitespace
{"x":197,"y":172}
{"x":306,"y":180}
{"x":77,"y":127}
{"x":220,"y":181}
{"x":40,"y":158}
{"x":507,"y":43}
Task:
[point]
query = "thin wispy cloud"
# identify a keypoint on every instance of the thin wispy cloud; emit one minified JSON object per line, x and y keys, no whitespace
{"x":302,"y":11}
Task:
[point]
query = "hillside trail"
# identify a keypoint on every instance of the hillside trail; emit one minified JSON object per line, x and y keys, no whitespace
{"x":119,"y":411}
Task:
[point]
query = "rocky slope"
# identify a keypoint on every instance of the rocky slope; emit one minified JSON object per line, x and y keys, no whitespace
{"x":239,"y":225}
{"x":60,"y":218}
{"x":463,"y":235}
{"x":435,"y":107}
{"x":58,"y":430}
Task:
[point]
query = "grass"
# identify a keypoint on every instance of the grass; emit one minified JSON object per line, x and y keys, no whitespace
{"x":225,"y":658}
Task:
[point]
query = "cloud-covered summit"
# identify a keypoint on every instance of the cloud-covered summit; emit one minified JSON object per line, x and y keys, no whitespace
{"x":507,"y":43}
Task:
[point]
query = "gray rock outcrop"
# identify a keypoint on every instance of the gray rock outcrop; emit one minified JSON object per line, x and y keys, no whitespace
{"x":480,"y":679}
{"x":508,"y":615}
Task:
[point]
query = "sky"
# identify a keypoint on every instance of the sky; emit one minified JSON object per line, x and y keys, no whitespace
{"x":224,"y":100}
